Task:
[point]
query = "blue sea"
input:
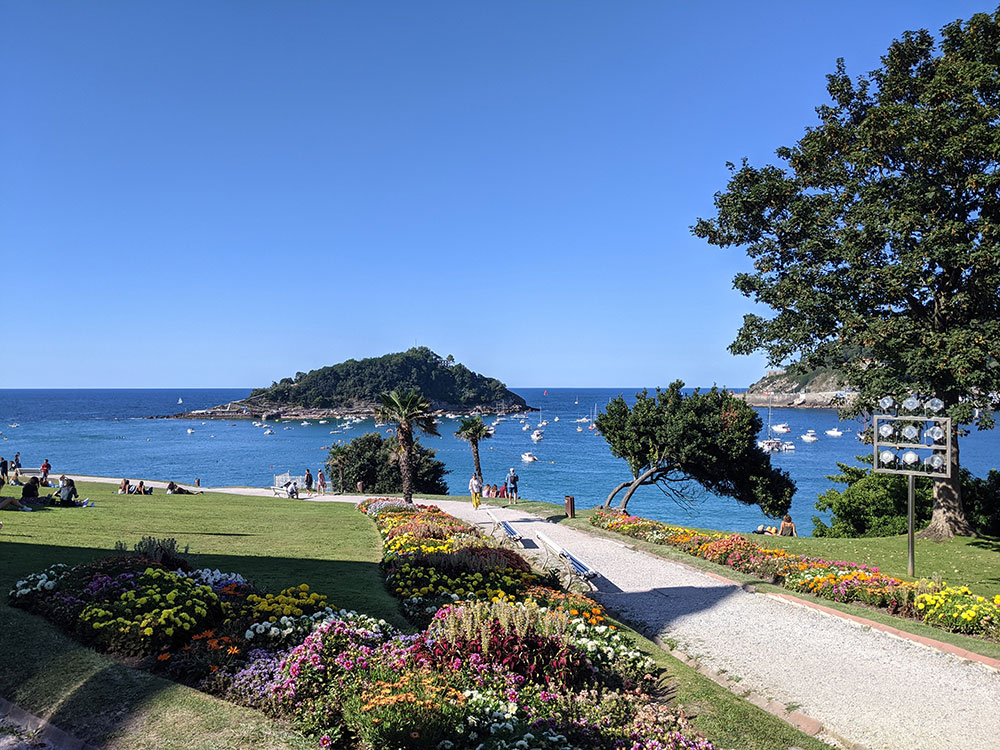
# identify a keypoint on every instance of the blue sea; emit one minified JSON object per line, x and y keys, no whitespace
{"x":107,"y":432}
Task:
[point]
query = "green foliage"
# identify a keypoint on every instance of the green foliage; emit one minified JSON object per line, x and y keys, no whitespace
{"x":162,"y":551}
{"x":874,"y":505}
{"x":708,"y":437}
{"x":361,"y":383}
{"x":374,"y":461}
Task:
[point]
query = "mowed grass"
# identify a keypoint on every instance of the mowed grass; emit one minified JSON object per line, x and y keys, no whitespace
{"x":275,"y":542}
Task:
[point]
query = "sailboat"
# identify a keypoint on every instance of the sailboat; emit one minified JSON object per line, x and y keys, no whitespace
{"x":577,"y":400}
{"x":772,"y":444}
{"x":180,"y":401}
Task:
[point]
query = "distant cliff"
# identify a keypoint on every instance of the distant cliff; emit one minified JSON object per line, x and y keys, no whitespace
{"x":820,"y":388}
{"x":356,"y":387}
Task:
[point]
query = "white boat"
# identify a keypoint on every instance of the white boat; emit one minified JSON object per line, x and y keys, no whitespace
{"x":537,"y":435}
{"x":776,"y":445}
{"x":592,"y":426}
{"x":268,"y":432}
{"x":810,"y":436}
{"x":180,"y":401}
{"x":781,"y":428}
{"x":526,"y":428}
{"x":555,"y":419}
{"x":582,"y":419}
{"x":834,"y":432}
{"x":577,"y":401}
{"x":788,"y":447}
{"x":324,"y":421}
{"x":528,"y":457}
{"x":190,"y":431}
{"x":579,"y":428}
{"x":305,"y":423}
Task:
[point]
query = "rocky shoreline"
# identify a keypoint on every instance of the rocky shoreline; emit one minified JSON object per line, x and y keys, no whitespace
{"x":812,"y":400}
{"x":274,"y":412}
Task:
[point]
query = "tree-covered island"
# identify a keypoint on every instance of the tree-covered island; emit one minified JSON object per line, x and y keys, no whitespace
{"x":355,"y":388}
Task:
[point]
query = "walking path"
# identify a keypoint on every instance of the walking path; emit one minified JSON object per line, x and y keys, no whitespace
{"x":863,"y":685}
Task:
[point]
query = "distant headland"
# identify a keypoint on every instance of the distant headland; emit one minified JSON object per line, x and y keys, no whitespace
{"x":816,"y":389}
{"x":354,"y":388}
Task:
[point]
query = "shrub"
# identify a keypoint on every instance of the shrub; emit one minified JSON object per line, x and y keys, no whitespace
{"x":161,"y":551}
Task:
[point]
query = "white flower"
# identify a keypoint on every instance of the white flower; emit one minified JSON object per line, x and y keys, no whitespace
{"x":249,"y":634}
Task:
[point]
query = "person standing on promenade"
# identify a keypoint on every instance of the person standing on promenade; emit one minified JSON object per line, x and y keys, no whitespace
{"x":475,"y":487}
{"x":512,"y":486}
{"x":17,"y":461}
{"x":3,"y":469}
{"x":321,"y":482}
{"x":309,"y":481}
{"x":46,"y":468}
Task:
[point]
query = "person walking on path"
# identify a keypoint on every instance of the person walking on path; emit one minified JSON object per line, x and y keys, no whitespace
{"x":475,"y":488}
{"x":46,"y":468}
{"x":321,"y":482}
{"x":309,"y":481}
{"x":3,"y":469}
{"x":511,"y":483}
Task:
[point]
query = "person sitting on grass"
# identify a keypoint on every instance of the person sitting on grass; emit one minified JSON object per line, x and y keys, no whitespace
{"x":141,"y":489}
{"x":13,"y":503}
{"x":787,"y":527}
{"x":175,"y":489}
{"x":29,"y":492}
{"x":69,"y":497}
{"x":124,"y":487}
{"x":15,"y":479}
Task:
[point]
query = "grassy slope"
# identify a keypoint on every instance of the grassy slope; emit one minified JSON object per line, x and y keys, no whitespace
{"x":276,"y":542}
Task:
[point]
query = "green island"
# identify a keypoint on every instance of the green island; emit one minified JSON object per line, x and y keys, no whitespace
{"x":355,"y":387}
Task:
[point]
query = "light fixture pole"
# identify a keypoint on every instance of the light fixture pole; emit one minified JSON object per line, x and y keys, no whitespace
{"x":900,"y":434}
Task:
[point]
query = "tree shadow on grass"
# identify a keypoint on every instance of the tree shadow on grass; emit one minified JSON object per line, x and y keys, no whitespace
{"x":95,"y":697}
{"x":987,"y":543}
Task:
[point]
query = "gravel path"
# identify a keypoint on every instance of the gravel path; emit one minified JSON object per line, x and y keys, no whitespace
{"x":865,"y":686}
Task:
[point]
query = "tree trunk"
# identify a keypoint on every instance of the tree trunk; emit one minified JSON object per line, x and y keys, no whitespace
{"x":619,"y":488}
{"x":340,"y":471}
{"x":636,"y":483}
{"x":475,"y":458}
{"x":406,"y":461}
{"x":948,"y":515}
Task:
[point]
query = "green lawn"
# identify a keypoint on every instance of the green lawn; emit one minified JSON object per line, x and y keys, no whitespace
{"x":276,"y":542}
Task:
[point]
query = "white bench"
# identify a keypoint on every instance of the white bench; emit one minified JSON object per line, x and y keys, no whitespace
{"x":507,"y":529}
{"x":575,"y":566}
{"x":281,"y":482}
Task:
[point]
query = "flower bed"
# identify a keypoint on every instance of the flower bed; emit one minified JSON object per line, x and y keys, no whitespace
{"x":955,"y":609}
{"x":506,"y":663}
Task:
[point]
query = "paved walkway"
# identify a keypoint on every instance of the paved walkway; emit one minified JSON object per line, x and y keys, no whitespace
{"x":863,"y":685}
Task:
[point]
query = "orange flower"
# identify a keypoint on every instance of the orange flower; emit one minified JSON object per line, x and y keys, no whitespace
{"x":214,"y":668}
{"x":163,"y":657}
{"x":232,"y":650}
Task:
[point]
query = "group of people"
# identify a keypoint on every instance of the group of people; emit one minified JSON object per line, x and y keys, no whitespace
{"x":507,"y":490}
{"x":125,"y":487}
{"x":787,"y":528}
{"x":66,"y":495}
{"x":292,"y":487}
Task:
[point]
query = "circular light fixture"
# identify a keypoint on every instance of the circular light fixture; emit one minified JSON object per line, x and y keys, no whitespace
{"x":911,"y":433}
{"x":911,"y":404}
{"x":935,"y":404}
{"x":886,"y":403}
{"x":934,"y":462}
{"x":910,"y":458}
{"x":935,"y":433}
{"x":887,"y":457}
{"x":886,"y":430}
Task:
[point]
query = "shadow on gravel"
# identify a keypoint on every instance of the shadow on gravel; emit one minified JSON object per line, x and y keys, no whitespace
{"x":657,"y":608}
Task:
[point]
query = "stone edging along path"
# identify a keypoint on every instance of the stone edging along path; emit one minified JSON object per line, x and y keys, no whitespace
{"x":849,"y":681}
{"x":855,"y":683}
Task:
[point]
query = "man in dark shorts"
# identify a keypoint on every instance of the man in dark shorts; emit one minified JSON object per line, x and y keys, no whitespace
{"x":309,"y":481}
{"x":3,"y":469}
{"x":512,"y":486}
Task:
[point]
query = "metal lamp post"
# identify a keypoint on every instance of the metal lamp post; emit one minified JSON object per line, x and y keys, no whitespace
{"x":911,"y":439}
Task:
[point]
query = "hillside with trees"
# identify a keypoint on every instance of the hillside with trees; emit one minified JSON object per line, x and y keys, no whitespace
{"x":358,"y":385}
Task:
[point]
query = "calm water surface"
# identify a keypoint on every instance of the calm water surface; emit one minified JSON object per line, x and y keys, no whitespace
{"x":104,"y":432}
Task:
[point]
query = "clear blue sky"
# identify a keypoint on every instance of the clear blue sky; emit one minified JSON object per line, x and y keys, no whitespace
{"x":223,"y":193}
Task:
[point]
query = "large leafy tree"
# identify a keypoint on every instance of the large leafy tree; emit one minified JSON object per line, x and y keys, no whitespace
{"x":672,"y":439}
{"x":880,"y":232}
{"x":473,"y":431}
{"x":407,"y":410}
{"x":374,"y":461}
{"x":338,"y":459}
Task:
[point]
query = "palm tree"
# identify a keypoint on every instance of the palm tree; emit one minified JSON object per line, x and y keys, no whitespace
{"x":406,"y":410}
{"x":472,"y":431}
{"x":338,"y":460}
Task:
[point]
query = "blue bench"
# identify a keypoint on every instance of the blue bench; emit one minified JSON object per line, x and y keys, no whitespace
{"x":574,"y":564}
{"x":507,"y":529}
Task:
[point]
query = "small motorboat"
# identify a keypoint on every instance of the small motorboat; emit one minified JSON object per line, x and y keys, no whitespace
{"x":834,"y":432}
{"x":324,"y":421}
{"x":810,"y":436}
{"x":555,"y":419}
{"x":579,"y":428}
{"x":781,"y":428}
{"x":305,"y":423}
{"x":190,"y":431}
{"x":592,"y":426}
{"x":526,"y":428}
{"x":268,"y":432}
{"x":528,"y":457}
{"x":537,"y":435}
